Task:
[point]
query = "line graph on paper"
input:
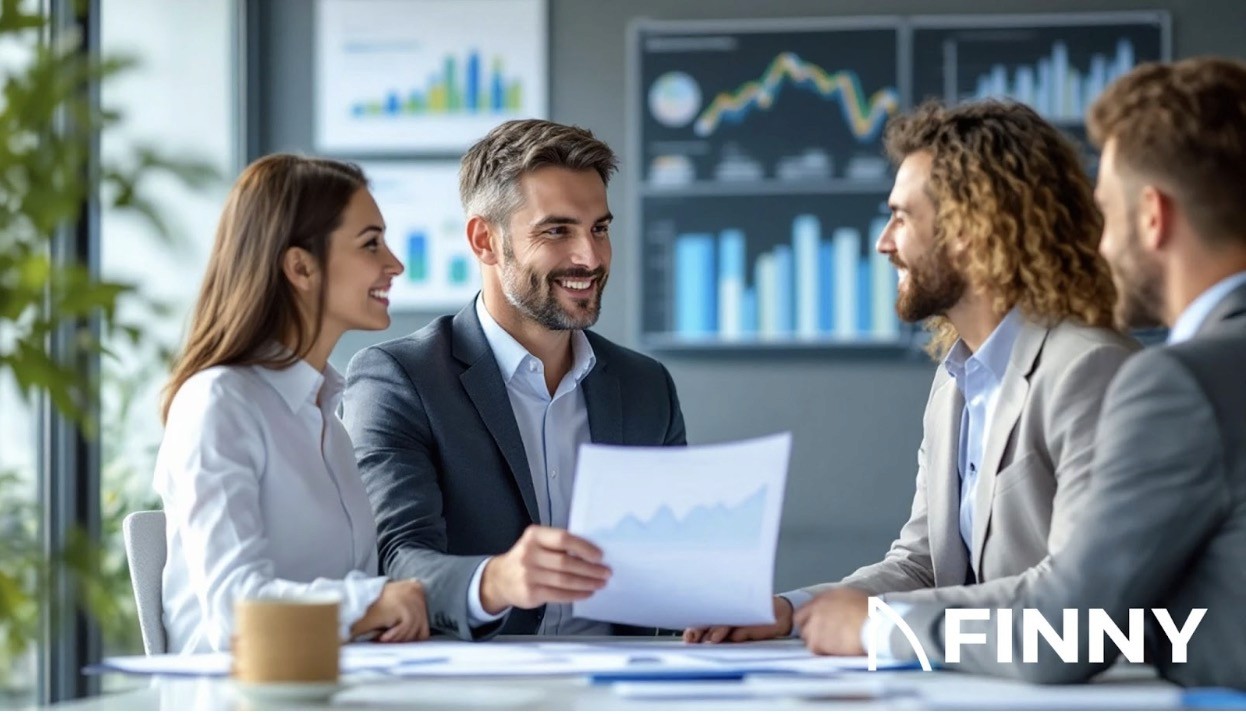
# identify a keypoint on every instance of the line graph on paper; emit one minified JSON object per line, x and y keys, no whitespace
{"x":718,"y":526}
{"x":667,"y":519}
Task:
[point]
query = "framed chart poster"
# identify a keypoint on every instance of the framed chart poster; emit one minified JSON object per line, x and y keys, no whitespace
{"x":426,"y":75}
{"x":762,"y":181}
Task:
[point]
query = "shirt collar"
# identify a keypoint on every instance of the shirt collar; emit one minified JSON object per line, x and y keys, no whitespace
{"x":995,"y":352}
{"x":300,"y":383}
{"x":1195,"y":314}
{"x":510,"y":355}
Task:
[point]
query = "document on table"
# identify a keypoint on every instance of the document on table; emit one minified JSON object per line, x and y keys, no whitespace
{"x":626,"y":656}
{"x":207,"y":664}
{"x":688,"y":532}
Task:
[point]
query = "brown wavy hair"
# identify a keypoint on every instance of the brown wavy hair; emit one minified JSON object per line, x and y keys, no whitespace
{"x":1184,"y":125}
{"x":491,"y":170}
{"x":279,"y":202}
{"x":1010,"y":188}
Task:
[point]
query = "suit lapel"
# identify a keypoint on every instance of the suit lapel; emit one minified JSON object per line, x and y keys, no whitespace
{"x":947,"y":551}
{"x":604,"y":398}
{"x":483,"y":383}
{"x":1011,"y":401}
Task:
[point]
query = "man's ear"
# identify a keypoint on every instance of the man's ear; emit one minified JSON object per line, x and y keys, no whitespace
{"x":1156,"y":215}
{"x":300,"y":269}
{"x":480,"y":236}
{"x":957,"y":249}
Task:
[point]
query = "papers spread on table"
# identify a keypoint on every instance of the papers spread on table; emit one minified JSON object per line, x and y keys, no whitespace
{"x":596,"y":656}
{"x":689,"y":533}
{"x":210,"y":664}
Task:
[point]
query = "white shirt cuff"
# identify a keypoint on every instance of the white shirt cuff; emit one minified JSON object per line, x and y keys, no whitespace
{"x":476,"y":613}
{"x":798,"y":598}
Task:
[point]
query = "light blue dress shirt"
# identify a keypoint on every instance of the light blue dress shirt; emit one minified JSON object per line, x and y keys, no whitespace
{"x":978,"y":376}
{"x":1195,"y":314}
{"x":552,"y":429}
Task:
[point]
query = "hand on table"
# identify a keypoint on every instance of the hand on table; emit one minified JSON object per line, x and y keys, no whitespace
{"x":723,"y":633}
{"x":399,"y":613}
{"x":830,"y":624}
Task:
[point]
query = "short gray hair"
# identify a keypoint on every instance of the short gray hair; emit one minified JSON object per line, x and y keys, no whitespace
{"x":490,"y":171}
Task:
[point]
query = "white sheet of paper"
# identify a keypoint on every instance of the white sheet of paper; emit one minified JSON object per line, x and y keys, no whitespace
{"x":215,"y":664}
{"x":688,"y":532}
{"x":475,"y":659}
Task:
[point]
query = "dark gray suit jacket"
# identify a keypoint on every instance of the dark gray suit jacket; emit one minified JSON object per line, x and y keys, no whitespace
{"x":444,"y":464}
{"x":1164,"y":525}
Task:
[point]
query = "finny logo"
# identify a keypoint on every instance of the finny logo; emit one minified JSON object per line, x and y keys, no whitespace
{"x":1034,"y":624}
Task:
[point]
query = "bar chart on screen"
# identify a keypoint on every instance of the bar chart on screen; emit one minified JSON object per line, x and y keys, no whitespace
{"x":425,"y":228}
{"x":1056,"y":65}
{"x":803,"y":271}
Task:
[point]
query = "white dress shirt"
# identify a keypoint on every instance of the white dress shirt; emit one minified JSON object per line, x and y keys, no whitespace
{"x":263,"y":499}
{"x":1195,"y":314}
{"x":552,"y":429}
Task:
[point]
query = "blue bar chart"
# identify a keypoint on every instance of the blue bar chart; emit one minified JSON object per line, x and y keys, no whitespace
{"x":1058,"y":65}
{"x":1053,"y":86}
{"x":805,"y":279}
{"x":425,"y":229}
{"x":451,"y":91}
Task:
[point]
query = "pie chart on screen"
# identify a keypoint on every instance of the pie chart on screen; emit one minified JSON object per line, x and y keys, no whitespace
{"x":674,"y":99}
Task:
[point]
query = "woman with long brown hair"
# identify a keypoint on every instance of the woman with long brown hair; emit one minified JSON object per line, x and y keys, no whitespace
{"x":258,"y":477}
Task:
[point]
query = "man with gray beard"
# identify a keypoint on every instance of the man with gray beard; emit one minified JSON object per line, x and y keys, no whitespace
{"x":467,"y":431}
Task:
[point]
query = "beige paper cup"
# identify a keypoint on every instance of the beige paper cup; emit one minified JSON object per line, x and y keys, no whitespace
{"x":286,"y":640}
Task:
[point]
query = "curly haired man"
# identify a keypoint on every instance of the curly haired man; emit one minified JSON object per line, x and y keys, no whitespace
{"x":1159,"y":544}
{"x":994,"y":231}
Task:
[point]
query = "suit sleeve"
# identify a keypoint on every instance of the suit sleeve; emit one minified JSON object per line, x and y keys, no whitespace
{"x":1070,"y":425}
{"x":394,"y":445}
{"x":676,"y":435}
{"x":1159,"y":490}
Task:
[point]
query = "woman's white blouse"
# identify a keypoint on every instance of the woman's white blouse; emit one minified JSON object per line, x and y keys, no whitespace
{"x":263,"y":498}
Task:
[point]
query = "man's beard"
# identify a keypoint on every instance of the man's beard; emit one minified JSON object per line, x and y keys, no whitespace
{"x":933,"y":287}
{"x":533,"y":294}
{"x":1139,"y":286}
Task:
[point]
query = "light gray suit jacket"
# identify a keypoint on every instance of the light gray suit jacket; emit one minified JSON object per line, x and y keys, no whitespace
{"x":1163,"y":525}
{"x":1036,"y":461}
{"x":443,"y":461}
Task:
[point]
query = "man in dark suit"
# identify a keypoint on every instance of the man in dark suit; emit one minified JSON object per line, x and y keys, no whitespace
{"x":466,"y":431}
{"x":1164,"y":522}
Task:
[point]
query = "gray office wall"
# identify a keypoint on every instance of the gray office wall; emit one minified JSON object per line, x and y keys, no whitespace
{"x":856,"y":418}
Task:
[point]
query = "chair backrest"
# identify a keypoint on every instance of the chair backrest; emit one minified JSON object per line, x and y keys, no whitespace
{"x":146,"y":551}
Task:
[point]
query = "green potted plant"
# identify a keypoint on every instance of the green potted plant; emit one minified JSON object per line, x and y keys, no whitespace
{"x":48,"y":172}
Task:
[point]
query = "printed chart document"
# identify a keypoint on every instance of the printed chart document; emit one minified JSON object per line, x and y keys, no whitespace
{"x":689,"y":532}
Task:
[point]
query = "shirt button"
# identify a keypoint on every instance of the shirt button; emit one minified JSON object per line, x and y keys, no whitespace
{"x":532,"y":366}
{"x":553,"y":474}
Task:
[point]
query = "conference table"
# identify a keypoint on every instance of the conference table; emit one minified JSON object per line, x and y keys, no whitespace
{"x":1124,"y":686}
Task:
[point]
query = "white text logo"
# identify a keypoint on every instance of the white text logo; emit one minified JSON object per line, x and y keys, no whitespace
{"x":1065,"y":642}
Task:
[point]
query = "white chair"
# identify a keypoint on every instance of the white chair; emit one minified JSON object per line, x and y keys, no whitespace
{"x":146,"y":551}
